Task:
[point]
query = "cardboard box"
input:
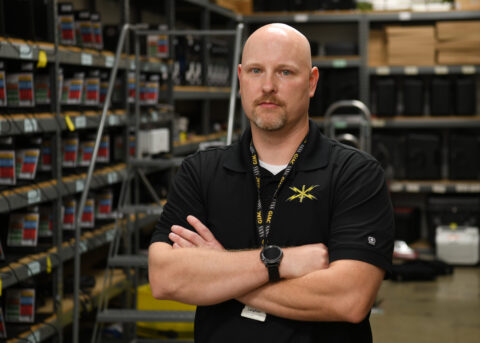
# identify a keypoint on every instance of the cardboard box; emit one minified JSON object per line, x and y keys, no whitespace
{"x":410,"y":45}
{"x":458,"y":57}
{"x":458,"y":30}
{"x":377,"y":48}
{"x":458,"y":42}
{"x":467,"y":4}
{"x":239,"y":6}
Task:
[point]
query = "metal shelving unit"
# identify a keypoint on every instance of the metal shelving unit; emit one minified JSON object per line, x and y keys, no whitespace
{"x":48,"y":328}
{"x":29,"y":51}
{"x":425,"y":70}
{"x":54,"y":123}
{"x":436,"y":187}
{"x":424,"y":122}
{"x":304,"y":17}
{"x":405,"y":192}
{"x":124,"y":235}
{"x":200,"y":93}
{"x":405,"y":16}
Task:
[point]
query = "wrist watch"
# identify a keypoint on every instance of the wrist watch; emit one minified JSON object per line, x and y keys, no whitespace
{"x":271,"y":255}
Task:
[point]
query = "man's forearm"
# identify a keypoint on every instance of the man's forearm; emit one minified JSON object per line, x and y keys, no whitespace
{"x":203,"y":276}
{"x":343,"y":292}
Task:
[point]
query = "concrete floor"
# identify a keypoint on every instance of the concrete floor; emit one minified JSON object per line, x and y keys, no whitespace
{"x":446,"y":310}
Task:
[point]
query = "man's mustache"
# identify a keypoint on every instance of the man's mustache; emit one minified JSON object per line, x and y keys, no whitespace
{"x":269,"y":100}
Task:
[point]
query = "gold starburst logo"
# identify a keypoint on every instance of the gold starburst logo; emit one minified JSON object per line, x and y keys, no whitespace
{"x":303,"y":193}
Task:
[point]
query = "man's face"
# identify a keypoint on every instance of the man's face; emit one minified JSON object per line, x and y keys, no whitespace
{"x":276,"y":81}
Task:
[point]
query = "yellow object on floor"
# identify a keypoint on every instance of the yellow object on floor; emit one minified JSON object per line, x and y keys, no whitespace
{"x":146,"y":302}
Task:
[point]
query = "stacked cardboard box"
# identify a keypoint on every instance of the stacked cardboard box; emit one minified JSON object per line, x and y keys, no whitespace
{"x":410,"y":45}
{"x":468,"y":5}
{"x":239,"y":6}
{"x":458,"y":42}
{"x":377,"y":45}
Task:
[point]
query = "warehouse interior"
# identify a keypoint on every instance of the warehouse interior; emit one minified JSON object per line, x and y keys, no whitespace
{"x":101,"y":100}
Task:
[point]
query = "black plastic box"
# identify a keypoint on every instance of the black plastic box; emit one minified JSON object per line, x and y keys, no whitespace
{"x":413,"y":97}
{"x":407,"y":224}
{"x":386,"y":89}
{"x":441,"y":97}
{"x":423,"y":157}
{"x":391,"y":151}
{"x":464,"y":156}
{"x":466,"y":96}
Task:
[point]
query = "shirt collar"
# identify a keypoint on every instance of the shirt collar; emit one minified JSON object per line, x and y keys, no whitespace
{"x":315,"y":155}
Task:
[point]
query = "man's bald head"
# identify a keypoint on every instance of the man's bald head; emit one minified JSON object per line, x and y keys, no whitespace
{"x":280,"y":34}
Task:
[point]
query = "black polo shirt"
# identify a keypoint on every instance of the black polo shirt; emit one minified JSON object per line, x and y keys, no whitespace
{"x":335,"y":195}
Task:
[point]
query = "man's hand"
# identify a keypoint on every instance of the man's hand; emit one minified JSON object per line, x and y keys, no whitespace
{"x":302,"y":260}
{"x":184,"y":238}
{"x":297,"y":261}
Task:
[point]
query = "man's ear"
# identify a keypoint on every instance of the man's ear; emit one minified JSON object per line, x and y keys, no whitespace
{"x":239,"y":71}
{"x":313,"y":80}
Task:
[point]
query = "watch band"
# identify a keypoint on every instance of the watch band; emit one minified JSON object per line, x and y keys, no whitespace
{"x":273,"y":273}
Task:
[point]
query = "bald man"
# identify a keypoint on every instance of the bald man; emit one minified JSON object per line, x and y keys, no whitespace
{"x":284,"y":236}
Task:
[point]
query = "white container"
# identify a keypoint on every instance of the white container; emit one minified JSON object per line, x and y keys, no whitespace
{"x":458,"y":245}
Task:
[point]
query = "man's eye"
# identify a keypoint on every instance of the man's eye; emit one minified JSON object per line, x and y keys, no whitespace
{"x":255,"y":70}
{"x":286,"y":72}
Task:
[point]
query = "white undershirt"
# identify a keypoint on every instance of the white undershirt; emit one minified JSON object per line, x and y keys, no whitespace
{"x":273,"y":168}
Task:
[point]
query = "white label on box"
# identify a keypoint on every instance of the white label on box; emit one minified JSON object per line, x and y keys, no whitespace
{"x":383,"y":71}
{"x":30,"y":125}
{"x":413,"y":188}
{"x":378,"y":123}
{"x":112,"y":177}
{"x":475,"y":188}
{"x":439,"y":188}
{"x":109,"y":60}
{"x":86,"y":59}
{"x":300,"y":18}
{"x":109,"y":235}
{"x":461,"y":187}
{"x":411,"y":70}
{"x":132,"y":65}
{"x":396,"y":187}
{"x":34,"y":337}
{"x":339,"y":63}
{"x":80,"y":122}
{"x":404,"y":16}
{"x":83,"y":246}
{"x":468,"y":69}
{"x":113,"y":120}
{"x":79,"y":185}
{"x":34,"y":196}
{"x":34,"y":268}
{"x":441,"y":70}
{"x":26,"y":52}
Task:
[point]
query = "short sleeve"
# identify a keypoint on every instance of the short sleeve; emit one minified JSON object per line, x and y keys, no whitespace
{"x":362,"y":225}
{"x":184,"y":198}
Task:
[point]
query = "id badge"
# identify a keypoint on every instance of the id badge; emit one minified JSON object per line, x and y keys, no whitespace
{"x":253,"y":313}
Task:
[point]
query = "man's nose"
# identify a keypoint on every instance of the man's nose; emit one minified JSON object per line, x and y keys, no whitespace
{"x":269,"y":84}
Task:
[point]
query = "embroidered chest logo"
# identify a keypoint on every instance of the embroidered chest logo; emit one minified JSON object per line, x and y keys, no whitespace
{"x":303,"y":193}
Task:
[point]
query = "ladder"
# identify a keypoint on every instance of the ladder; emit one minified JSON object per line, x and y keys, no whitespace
{"x":362,"y":121}
{"x":125,"y":227}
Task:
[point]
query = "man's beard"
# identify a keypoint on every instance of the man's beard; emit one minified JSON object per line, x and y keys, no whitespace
{"x":270,"y":122}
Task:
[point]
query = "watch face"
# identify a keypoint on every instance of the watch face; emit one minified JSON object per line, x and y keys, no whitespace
{"x":272,"y":253}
